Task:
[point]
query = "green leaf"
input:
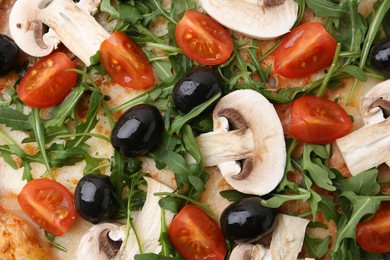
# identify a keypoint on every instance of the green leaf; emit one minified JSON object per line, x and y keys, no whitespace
{"x":179,"y":166}
{"x":151,"y":256}
{"x":354,"y":71}
{"x":190,"y":144}
{"x":105,"y":6}
{"x":361,"y":206}
{"x":313,"y":165}
{"x":129,"y":13}
{"x":170,"y":203}
{"x":196,"y":182}
{"x":386,"y":23}
{"x":278,"y":199}
{"x":364,"y":183}
{"x":328,"y":208}
{"x":62,"y":112}
{"x":233,"y":195}
{"x":14,"y":119}
{"x":317,"y":247}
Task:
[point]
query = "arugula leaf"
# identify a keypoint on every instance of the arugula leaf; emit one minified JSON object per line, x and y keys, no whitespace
{"x":14,"y":119}
{"x":364,"y":183}
{"x":317,"y":247}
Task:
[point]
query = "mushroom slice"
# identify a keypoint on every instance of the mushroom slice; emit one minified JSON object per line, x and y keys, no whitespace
{"x":372,"y":140}
{"x":249,"y":252}
{"x":247,"y":143}
{"x":376,"y":103}
{"x":101,"y":242}
{"x":262,"y":19}
{"x":68,"y":22}
{"x":107,"y":241}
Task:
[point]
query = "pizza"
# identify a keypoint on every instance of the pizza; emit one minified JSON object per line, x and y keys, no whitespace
{"x":194,"y":129}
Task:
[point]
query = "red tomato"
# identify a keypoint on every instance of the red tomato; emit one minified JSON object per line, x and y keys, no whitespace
{"x":125,"y":62}
{"x":202,"y":39}
{"x":305,"y":50}
{"x":373,"y":235}
{"x":317,"y":120}
{"x":47,"y":83}
{"x":49,"y":204}
{"x":196,"y":235}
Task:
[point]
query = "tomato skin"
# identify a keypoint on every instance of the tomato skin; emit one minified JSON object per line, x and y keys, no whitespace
{"x":305,"y":50}
{"x":47,"y":83}
{"x":202,"y":39}
{"x":196,"y":235}
{"x":317,"y":120}
{"x":49,"y":204}
{"x":125,"y":62}
{"x":373,"y":235}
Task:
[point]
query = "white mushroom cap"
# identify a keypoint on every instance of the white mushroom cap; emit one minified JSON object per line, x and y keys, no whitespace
{"x":251,"y":154}
{"x":68,"y":22}
{"x":262,"y":19}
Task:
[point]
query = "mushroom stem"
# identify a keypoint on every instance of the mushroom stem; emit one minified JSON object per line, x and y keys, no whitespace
{"x":371,"y":141}
{"x":75,"y":28}
{"x":220,"y":147}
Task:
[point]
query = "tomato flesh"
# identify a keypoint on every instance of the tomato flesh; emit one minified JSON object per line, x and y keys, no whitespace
{"x":49,"y":204}
{"x":305,"y":50}
{"x":374,"y":235}
{"x":317,"y":120}
{"x":125,"y":62}
{"x":48,"y":82}
{"x":202,"y":39}
{"x":196,"y":235}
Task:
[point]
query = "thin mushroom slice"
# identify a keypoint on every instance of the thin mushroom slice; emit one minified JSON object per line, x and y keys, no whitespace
{"x":262,"y":19}
{"x":372,"y":140}
{"x":247,"y":143}
{"x":68,"y":22}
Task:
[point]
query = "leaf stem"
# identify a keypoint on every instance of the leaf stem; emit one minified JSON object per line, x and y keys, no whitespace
{"x":328,"y":76}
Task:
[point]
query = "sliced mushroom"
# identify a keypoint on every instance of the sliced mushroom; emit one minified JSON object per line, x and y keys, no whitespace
{"x":101,"y":242}
{"x":68,"y":22}
{"x":107,"y":241}
{"x":369,"y":146}
{"x":263,"y":19}
{"x":247,"y":143}
{"x":286,"y":243}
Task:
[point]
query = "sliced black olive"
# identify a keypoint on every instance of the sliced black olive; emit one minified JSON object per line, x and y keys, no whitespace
{"x":246,"y":220}
{"x":380,"y":57}
{"x":138,"y":130}
{"x":94,"y":198}
{"x":194,"y":89}
{"x":9,"y":52}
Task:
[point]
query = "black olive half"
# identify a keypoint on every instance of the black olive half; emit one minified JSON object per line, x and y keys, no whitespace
{"x":9,"y":52}
{"x":94,"y":198}
{"x":380,"y":57}
{"x":246,"y":220}
{"x":137,"y":130}
{"x":194,"y":89}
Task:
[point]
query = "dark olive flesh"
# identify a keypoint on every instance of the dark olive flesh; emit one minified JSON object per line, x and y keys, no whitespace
{"x":9,"y":52}
{"x":94,"y":198}
{"x":195,"y":88}
{"x":380,"y":57}
{"x":137,"y":130}
{"x":246,"y":220}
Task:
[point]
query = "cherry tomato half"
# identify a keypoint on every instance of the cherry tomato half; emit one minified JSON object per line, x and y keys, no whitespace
{"x":196,"y":235}
{"x":305,"y":50}
{"x":373,"y":235}
{"x":317,"y":120}
{"x":48,"y":82}
{"x":49,"y":204}
{"x":125,"y":62}
{"x":202,"y":39}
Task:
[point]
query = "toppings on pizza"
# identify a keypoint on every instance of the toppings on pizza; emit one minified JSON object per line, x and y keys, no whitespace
{"x":71,"y":24}
{"x":380,"y":56}
{"x":263,"y":19}
{"x":246,"y":220}
{"x":286,"y":243}
{"x":247,"y":143}
{"x":68,"y":23}
{"x":373,"y":139}
{"x":140,"y":235}
{"x":138,"y":130}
